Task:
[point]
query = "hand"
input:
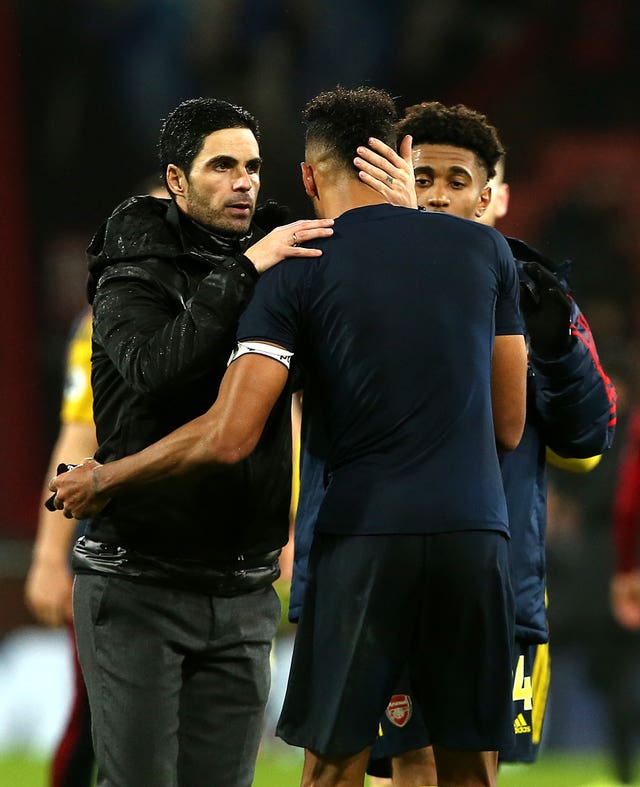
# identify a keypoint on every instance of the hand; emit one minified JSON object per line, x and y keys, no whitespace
{"x":546,"y":308}
{"x":77,"y":492}
{"x":284,"y":242}
{"x":388,"y":173}
{"x":625,"y":599}
{"x":48,"y":590}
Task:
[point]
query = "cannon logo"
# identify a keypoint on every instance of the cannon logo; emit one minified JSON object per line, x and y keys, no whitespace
{"x":399,"y":709}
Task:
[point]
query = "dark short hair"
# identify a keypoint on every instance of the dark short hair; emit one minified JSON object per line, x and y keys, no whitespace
{"x":185,"y":128}
{"x":343,"y":118}
{"x":433,"y":123}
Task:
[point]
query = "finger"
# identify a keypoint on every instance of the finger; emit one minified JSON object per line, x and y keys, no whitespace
{"x":374,"y":172}
{"x":69,"y":514}
{"x":52,"y":485}
{"x":406,"y":149}
{"x":303,"y":236}
{"x":371,"y":162}
{"x":301,"y":251}
{"x":58,"y":503}
{"x":386,"y":153}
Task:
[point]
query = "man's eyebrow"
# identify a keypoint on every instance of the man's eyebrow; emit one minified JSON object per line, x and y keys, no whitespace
{"x":231,"y":161}
{"x":427,"y":169}
{"x":456,"y":169}
{"x":222,"y":159}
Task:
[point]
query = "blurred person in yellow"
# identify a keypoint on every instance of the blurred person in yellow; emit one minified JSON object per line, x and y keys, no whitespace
{"x":48,"y":588}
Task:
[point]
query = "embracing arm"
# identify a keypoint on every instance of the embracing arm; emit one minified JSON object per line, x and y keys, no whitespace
{"x":509,"y":390}
{"x":225,"y":434}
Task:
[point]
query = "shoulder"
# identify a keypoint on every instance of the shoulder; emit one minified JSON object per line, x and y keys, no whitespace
{"x":291,"y":271}
{"x":138,"y":227}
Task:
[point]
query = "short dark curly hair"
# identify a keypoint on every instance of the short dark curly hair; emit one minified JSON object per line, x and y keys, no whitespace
{"x":433,"y":123}
{"x":343,"y":118}
{"x":184,"y":130}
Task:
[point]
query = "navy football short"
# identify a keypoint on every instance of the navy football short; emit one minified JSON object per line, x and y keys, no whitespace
{"x":402,"y":727}
{"x":437,"y":607}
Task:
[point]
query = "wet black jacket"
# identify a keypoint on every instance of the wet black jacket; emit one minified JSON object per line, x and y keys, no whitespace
{"x":166,"y":295}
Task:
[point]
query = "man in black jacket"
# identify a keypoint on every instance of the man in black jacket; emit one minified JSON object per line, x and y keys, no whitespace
{"x":174,"y":606}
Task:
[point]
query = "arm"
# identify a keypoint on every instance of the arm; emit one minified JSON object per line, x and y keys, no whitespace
{"x":49,"y":580}
{"x":225,"y":434}
{"x":508,"y":390}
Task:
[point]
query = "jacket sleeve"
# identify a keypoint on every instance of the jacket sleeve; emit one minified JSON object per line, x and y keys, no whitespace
{"x":164,"y":331}
{"x":575,"y":400}
{"x":626,"y":504}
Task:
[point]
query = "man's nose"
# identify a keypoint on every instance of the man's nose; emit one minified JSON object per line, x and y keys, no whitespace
{"x":242,"y":182}
{"x":438,"y":200}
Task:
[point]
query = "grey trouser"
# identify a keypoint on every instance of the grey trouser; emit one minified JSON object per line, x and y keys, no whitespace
{"x":177,"y":681}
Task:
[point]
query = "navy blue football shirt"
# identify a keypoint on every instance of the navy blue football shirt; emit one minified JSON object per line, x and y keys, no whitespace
{"x":394,"y":326}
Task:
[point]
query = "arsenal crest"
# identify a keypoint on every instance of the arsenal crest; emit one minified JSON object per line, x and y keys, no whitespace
{"x":399,"y":709}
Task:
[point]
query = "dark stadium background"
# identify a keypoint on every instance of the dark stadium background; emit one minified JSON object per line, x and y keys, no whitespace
{"x":85,"y":84}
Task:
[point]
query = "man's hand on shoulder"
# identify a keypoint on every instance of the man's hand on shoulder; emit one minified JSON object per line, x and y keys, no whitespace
{"x":77,"y":491}
{"x":283,"y":242}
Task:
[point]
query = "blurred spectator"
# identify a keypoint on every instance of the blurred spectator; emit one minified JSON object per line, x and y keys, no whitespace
{"x":49,"y":581}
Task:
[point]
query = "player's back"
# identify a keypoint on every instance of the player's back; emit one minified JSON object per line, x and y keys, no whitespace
{"x":399,"y":326}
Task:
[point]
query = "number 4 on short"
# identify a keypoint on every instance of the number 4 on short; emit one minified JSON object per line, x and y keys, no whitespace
{"x":522,"y":686}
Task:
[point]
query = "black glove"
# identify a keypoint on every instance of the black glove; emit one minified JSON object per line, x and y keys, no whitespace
{"x":271,"y":215}
{"x":546,"y":308}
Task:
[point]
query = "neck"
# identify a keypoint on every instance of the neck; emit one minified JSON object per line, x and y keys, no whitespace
{"x":346,"y":194}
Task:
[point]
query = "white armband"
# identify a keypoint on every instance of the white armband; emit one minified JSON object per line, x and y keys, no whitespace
{"x":261,"y":348}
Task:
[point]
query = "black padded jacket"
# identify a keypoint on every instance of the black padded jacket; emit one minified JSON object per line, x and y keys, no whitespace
{"x":167,"y":294}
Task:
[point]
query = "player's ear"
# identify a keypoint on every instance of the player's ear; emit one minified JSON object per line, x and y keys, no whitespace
{"x":308,"y":180}
{"x":501,"y":198}
{"x":176,"y":180}
{"x":483,"y":201}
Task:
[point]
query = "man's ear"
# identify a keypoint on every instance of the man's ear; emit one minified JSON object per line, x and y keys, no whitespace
{"x":483,"y":201}
{"x":501,"y":199}
{"x":176,"y":180}
{"x":308,"y":180}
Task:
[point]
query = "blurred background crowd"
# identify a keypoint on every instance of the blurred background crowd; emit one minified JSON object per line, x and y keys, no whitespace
{"x":85,"y":86}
